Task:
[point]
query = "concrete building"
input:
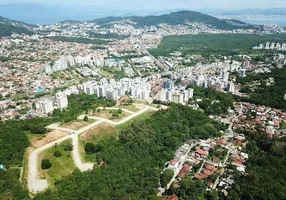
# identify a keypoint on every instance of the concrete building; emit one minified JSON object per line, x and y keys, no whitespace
{"x":61,"y":100}
{"x":45,"y":106}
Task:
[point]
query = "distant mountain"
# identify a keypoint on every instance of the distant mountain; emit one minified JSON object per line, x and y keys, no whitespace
{"x":176,"y":18}
{"x":271,"y":11}
{"x":7,"y":27}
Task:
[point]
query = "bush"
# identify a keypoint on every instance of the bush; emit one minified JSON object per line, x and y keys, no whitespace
{"x":89,"y":148}
{"x":68,"y":147}
{"x":85,"y":118}
{"x":46,"y":164}
{"x":57,"y":154}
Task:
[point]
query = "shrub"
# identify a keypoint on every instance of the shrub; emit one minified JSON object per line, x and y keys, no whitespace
{"x":57,"y":154}
{"x":89,"y":148}
{"x":85,"y":118}
{"x":68,"y":147}
{"x":46,"y":164}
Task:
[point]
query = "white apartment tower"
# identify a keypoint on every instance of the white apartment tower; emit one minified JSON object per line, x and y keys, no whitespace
{"x":61,"y":100}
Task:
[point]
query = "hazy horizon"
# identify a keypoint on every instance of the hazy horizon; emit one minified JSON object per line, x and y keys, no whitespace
{"x":52,"y":11}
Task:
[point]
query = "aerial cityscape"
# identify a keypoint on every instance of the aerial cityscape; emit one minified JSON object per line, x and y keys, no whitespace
{"x":165,"y":100}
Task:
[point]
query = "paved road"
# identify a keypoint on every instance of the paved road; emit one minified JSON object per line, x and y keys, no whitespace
{"x":37,"y":185}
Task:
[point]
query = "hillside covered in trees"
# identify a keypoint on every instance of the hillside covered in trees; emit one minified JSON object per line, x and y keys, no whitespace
{"x":176,"y":18}
{"x":269,"y":95}
{"x":7,"y":27}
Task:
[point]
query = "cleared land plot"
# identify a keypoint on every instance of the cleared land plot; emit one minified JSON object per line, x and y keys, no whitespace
{"x":41,"y":140}
{"x":78,"y":124}
{"x":61,"y":166}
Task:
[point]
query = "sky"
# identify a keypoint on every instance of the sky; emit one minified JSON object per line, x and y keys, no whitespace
{"x":160,"y":4}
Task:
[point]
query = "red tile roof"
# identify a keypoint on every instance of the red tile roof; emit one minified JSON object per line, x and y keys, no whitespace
{"x":210,"y":167}
{"x":173,"y":197}
{"x":202,"y":152}
{"x":207,"y":172}
{"x":172,"y":162}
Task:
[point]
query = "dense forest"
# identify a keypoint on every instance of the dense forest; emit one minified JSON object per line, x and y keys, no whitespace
{"x":176,"y":18}
{"x":218,"y":44}
{"x":79,"y":40}
{"x":272,"y":95}
{"x":132,"y":164}
{"x":7,"y":30}
{"x":213,"y":102}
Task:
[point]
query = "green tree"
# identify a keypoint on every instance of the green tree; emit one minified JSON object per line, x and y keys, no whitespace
{"x":57,"y":154}
{"x":85,"y":118}
{"x":166,"y":176}
{"x":89,"y":148}
{"x":46,"y":164}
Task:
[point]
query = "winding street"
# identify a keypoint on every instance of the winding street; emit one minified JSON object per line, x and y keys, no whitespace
{"x":35,"y":184}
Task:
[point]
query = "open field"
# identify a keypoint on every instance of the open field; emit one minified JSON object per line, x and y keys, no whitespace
{"x":106,"y":74}
{"x":107,"y":114}
{"x":40,"y":140}
{"x":77,"y":124}
{"x":61,"y":166}
{"x":131,"y":108}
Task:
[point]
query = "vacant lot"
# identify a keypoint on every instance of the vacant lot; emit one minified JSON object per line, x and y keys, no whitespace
{"x":41,"y":140}
{"x":78,"y":124}
{"x":61,"y":166}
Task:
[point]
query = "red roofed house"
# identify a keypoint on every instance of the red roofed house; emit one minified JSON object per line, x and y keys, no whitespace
{"x":201,"y":153}
{"x":173,"y":197}
{"x":207,"y":172}
{"x":200,"y":176}
{"x":210,"y":167}
{"x":184,"y":171}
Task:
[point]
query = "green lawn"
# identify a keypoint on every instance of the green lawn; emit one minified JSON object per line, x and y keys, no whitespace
{"x":283,"y":126}
{"x":61,"y":166}
{"x":106,"y":74}
{"x":131,"y":108}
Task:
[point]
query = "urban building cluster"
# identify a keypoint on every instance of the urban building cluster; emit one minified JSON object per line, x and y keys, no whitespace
{"x":48,"y":105}
{"x":137,"y":88}
{"x":271,"y":46}
{"x":213,"y":161}
{"x":171,"y":93}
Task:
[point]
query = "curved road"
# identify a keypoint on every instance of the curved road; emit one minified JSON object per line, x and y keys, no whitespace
{"x":37,"y":185}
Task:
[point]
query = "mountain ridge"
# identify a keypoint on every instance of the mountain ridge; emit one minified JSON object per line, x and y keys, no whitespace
{"x":8,"y":27}
{"x":176,"y":18}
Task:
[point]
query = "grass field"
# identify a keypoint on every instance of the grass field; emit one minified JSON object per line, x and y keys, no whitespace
{"x":131,"y":108}
{"x":106,"y":74}
{"x":61,"y":166}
